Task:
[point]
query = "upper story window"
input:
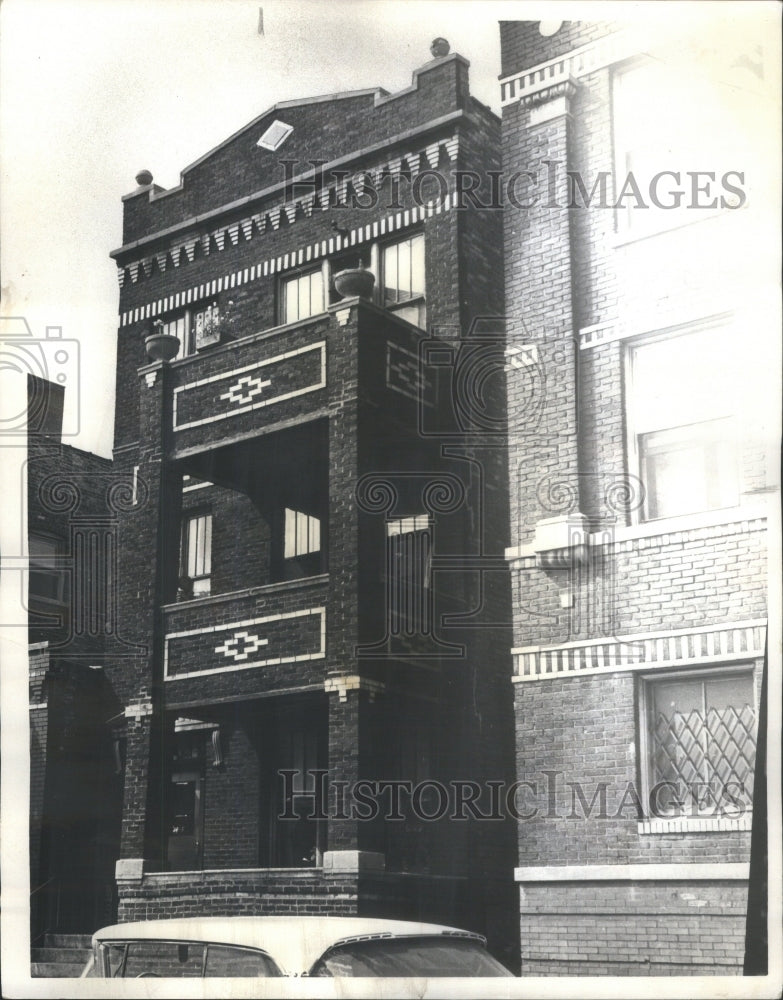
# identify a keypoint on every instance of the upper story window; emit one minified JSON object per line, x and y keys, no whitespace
{"x":675,"y":139}
{"x":402,"y":279}
{"x":683,"y":424}
{"x":699,"y":733}
{"x":409,"y":563}
{"x":47,"y":580}
{"x":302,"y":296}
{"x":301,"y":545}
{"x":196,"y":556}
{"x":195,"y":327}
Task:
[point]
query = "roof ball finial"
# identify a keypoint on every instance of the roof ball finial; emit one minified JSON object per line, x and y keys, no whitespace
{"x":439,"y":48}
{"x":143,"y":178}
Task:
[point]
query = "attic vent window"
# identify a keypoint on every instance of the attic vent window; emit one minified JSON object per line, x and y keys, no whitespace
{"x":275,"y":135}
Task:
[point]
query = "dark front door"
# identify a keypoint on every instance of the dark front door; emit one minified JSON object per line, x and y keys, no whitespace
{"x":186,"y":821}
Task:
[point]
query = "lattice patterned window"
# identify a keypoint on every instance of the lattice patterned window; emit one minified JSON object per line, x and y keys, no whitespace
{"x":700,"y":734}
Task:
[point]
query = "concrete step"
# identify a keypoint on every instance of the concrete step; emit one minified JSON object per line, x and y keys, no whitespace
{"x":68,"y":940}
{"x":60,"y":954}
{"x":57,"y":970}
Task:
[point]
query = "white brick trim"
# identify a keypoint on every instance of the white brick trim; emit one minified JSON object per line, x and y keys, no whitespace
{"x":320,"y":384}
{"x":274,"y":265}
{"x":634,"y":873}
{"x":576,"y":63}
{"x":695,"y":824}
{"x":706,"y":644}
{"x":271,"y":661}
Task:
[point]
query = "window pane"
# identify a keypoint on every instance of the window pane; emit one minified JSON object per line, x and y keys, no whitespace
{"x":409,"y":957}
{"x":316,"y":293}
{"x":289,"y":546}
{"x":390,"y":274}
{"x":315,"y":535}
{"x":291,"y":301}
{"x":703,"y":732}
{"x":224,"y":960}
{"x":689,"y":469}
{"x":404,"y":269}
{"x":303,"y":308}
{"x":417,"y":265}
{"x":301,"y":533}
{"x":164,"y":959}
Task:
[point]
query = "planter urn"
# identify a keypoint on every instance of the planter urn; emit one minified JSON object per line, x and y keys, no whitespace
{"x":161,"y":346}
{"x":354,"y":281}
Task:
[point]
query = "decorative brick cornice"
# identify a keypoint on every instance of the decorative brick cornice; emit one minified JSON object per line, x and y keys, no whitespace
{"x":283,"y":262}
{"x":574,"y":64}
{"x":563,"y":89}
{"x":721,"y":643}
{"x":336,"y":194}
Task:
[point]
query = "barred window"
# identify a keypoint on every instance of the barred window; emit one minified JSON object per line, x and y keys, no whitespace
{"x":409,"y":561}
{"x":701,"y":742}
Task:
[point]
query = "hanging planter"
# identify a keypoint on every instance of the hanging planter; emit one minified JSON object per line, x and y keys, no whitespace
{"x":161,"y":346}
{"x":355,"y":281}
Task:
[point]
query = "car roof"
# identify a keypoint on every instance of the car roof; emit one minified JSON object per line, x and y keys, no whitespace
{"x":294,"y":942}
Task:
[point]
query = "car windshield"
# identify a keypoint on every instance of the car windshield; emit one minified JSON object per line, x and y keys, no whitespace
{"x":194,"y":959}
{"x":409,"y":957}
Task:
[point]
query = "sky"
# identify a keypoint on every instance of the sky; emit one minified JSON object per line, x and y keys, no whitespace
{"x":93,"y":91}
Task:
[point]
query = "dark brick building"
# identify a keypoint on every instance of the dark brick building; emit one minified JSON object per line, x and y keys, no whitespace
{"x":640,"y":467}
{"x":75,"y":788}
{"x":312,"y":587}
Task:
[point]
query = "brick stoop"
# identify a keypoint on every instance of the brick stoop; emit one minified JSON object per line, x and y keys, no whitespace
{"x":63,"y":956}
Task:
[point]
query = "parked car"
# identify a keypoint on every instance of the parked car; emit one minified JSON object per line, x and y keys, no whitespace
{"x":287,"y":946}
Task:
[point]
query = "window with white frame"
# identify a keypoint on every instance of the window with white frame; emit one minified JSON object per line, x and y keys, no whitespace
{"x":670,"y":122}
{"x":196,"y":559}
{"x":682,"y":421}
{"x":47,"y":581}
{"x":302,"y":534}
{"x":402,"y":279}
{"x":302,"y":296}
{"x":699,"y":742}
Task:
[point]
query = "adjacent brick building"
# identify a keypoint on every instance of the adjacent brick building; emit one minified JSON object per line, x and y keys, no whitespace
{"x":640,"y":464}
{"x":311,"y":574}
{"x":75,"y":790}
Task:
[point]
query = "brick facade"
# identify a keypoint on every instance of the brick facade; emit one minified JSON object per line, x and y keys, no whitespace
{"x":593,"y":573}
{"x":342,"y":416}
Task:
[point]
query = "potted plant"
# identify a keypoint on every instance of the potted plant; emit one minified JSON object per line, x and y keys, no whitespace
{"x":355,"y":281}
{"x":161,"y":346}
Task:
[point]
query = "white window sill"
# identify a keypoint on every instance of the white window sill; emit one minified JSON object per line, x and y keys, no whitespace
{"x":626,"y":235}
{"x":696,"y":824}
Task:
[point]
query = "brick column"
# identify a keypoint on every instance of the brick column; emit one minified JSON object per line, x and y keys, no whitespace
{"x":149,"y":549}
{"x":542,"y":375}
